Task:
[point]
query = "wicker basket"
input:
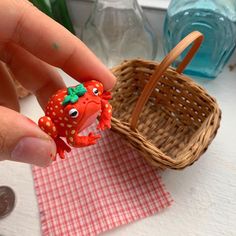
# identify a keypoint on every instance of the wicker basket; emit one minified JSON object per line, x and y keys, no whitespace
{"x":161,"y":112}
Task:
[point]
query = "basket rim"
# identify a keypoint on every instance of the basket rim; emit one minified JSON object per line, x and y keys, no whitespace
{"x":126,"y":63}
{"x":166,"y":160}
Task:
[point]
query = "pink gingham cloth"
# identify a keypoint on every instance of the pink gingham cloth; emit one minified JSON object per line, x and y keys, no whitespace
{"x":97,"y":188}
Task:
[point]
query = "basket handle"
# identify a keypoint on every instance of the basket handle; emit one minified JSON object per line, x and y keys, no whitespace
{"x":196,"y":38}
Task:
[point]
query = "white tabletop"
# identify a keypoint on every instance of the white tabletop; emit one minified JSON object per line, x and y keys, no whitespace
{"x":204,"y":194}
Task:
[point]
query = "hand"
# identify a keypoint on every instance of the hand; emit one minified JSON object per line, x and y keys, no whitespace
{"x":31,"y":45}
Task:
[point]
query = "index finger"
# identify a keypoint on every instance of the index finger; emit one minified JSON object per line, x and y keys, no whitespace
{"x":51,"y":42}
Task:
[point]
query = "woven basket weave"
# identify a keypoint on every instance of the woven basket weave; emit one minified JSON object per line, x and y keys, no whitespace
{"x":161,"y":112}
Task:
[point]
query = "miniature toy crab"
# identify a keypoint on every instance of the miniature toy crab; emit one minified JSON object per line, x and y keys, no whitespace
{"x":73,"y":109}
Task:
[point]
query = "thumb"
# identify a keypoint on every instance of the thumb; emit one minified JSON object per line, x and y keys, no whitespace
{"x":22,"y":140}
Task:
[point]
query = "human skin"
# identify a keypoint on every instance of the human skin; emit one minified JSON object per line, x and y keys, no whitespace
{"x":31,"y":46}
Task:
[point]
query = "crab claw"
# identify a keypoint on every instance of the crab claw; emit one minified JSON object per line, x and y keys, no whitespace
{"x":104,"y":124}
{"x":92,"y":138}
{"x":106,"y":95}
{"x":61,"y":148}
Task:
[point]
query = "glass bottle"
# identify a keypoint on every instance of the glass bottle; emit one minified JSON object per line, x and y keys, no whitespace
{"x":118,"y":30}
{"x":216,"y":19}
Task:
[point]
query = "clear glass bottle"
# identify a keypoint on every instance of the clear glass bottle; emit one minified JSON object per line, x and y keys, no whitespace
{"x":216,"y":19}
{"x":118,"y":30}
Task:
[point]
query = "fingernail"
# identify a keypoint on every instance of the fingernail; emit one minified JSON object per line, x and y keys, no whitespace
{"x":34,"y":151}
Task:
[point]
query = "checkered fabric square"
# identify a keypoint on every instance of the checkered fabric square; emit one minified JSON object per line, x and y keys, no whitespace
{"x":97,"y":188}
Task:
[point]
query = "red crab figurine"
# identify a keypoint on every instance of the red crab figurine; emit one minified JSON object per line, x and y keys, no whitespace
{"x":71,"y":110}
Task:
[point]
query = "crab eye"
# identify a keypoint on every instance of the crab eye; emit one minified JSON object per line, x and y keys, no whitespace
{"x":73,"y":113}
{"x":95,"y":91}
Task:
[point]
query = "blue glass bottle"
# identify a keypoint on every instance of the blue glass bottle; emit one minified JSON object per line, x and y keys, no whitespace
{"x":216,"y":19}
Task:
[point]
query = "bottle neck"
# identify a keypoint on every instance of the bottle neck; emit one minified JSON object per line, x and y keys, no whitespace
{"x":121,"y":4}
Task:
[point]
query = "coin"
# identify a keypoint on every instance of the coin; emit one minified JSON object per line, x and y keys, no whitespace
{"x":7,"y":201}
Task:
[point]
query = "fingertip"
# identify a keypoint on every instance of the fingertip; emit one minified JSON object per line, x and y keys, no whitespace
{"x":22,"y":140}
{"x":110,"y":83}
{"x":34,"y":151}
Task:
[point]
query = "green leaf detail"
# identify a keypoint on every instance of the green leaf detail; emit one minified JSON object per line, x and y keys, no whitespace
{"x":74,"y":94}
{"x":66,"y":100}
{"x":80,"y":90}
{"x":74,"y":99}
{"x":70,"y":91}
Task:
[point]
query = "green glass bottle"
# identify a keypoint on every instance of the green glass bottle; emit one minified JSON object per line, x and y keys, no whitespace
{"x":56,"y":9}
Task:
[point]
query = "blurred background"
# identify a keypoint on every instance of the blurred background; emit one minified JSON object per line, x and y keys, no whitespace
{"x":74,"y":14}
{"x":116,"y":30}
